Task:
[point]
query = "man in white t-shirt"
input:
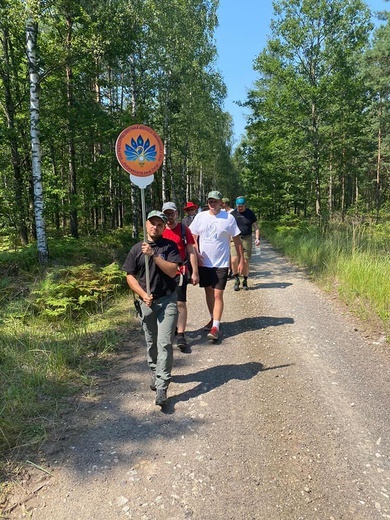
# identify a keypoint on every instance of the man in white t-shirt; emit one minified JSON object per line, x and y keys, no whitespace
{"x":213,"y":230}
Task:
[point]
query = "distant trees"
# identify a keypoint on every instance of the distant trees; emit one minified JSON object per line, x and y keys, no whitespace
{"x":95,"y":68}
{"x":318,"y":136}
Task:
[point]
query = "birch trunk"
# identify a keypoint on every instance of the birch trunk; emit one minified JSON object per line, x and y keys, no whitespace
{"x":31,"y":38}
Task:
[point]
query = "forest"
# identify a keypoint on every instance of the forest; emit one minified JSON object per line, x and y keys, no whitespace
{"x":74,"y":74}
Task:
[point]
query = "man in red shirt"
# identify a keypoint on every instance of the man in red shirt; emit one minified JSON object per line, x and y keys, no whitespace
{"x":182,"y":236}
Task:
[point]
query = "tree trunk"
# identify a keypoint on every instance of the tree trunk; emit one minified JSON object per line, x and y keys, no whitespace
{"x":10,"y":111}
{"x":71,"y":146}
{"x":40,"y":226}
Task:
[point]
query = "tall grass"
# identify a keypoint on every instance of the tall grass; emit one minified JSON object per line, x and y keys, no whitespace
{"x":354,"y":258}
{"x":59,"y":327}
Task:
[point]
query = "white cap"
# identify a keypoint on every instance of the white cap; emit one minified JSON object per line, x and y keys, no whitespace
{"x":169,"y":205}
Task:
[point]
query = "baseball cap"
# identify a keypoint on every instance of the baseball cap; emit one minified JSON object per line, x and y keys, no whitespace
{"x":169,"y":205}
{"x":240,"y":200}
{"x":158,"y":214}
{"x":225,"y":200}
{"x":217,"y":195}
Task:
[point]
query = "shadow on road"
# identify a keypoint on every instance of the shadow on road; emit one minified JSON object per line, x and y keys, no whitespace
{"x":213,"y":377}
{"x":233,"y":328}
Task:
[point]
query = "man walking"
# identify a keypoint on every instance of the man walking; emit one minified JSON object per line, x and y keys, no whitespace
{"x":214,"y":228}
{"x":246,"y":219}
{"x":158,"y":310}
{"x":182,"y":236}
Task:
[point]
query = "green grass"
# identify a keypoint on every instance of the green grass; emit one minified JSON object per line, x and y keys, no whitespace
{"x":354,"y":259}
{"x":59,"y":327}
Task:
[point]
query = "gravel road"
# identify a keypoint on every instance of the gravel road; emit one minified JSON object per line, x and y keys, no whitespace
{"x":285,"y":418}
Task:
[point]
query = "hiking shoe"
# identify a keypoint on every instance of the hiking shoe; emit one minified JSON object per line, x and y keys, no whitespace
{"x":153,"y":381}
{"x":209,"y":325}
{"x":161,"y":397}
{"x":213,"y":334}
{"x":237,"y":285}
{"x":182,"y":343}
{"x":245,"y":285}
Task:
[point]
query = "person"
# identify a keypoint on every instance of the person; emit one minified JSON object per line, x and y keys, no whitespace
{"x":226,"y":205}
{"x":157,"y":308}
{"x":246,"y":220}
{"x":190,"y":208}
{"x":182,"y":236}
{"x":214,"y":228}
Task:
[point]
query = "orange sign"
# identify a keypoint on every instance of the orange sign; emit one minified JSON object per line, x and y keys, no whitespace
{"x":139,"y":150}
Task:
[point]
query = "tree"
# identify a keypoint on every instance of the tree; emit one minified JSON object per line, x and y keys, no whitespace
{"x":306,"y":72}
{"x":31,"y":38}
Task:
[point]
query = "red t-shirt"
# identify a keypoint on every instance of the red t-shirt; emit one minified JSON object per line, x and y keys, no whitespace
{"x":175,"y":235}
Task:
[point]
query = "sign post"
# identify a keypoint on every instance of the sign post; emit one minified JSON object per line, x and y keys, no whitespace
{"x":140,"y":152}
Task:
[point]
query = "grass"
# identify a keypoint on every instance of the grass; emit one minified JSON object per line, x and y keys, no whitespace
{"x":354,"y":259}
{"x":46,"y":358}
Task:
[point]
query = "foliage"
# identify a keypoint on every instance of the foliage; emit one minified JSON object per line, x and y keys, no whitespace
{"x":102,"y":67}
{"x":74,"y":291}
{"x":317,"y":140}
{"x":351,"y":256}
{"x":49,"y":355}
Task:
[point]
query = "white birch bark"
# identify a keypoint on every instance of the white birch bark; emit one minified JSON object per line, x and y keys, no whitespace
{"x":31,"y":36}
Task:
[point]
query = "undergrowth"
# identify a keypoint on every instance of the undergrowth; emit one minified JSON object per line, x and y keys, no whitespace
{"x":58,"y":329}
{"x":349,"y":257}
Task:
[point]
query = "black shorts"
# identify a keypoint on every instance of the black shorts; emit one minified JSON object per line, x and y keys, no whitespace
{"x":216,"y":277}
{"x":181,"y":290}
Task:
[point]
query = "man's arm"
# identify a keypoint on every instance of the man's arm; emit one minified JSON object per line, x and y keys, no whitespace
{"x":192,"y":255}
{"x":169,"y":268}
{"x":257,"y":233}
{"x":135,"y":287}
{"x":240,"y":252}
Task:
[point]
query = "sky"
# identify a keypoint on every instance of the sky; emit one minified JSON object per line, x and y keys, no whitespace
{"x":240,"y":37}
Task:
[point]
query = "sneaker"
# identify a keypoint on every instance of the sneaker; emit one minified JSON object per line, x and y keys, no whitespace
{"x":213,"y":334}
{"x":245,"y":285}
{"x":182,"y":343}
{"x":161,"y":397}
{"x":209,"y":325}
{"x":153,"y":381}
{"x":237,"y":285}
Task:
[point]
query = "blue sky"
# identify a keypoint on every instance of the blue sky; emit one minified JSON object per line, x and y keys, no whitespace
{"x":241,"y":36}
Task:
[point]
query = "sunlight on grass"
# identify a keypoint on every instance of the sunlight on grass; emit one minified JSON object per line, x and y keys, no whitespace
{"x":355,"y":259}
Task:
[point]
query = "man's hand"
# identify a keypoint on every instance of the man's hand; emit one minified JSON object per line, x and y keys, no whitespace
{"x":148,"y":299}
{"x":147,"y":249}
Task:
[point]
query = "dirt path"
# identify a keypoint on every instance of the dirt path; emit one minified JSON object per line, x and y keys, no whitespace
{"x":286,"y":418}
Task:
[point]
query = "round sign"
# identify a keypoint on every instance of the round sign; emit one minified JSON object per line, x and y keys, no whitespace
{"x":139,"y":150}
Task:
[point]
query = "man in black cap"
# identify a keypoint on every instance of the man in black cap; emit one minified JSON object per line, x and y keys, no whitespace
{"x":158,"y":309}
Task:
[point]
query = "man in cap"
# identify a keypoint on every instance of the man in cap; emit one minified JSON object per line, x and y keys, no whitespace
{"x":182,"y":236}
{"x":214,"y":229}
{"x":158,"y":308}
{"x":246,"y":219}
{"x":226,"y":205}
{"x":190,"y":208}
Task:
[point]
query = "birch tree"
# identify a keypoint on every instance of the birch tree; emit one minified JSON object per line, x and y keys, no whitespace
{"x":32,"y":57}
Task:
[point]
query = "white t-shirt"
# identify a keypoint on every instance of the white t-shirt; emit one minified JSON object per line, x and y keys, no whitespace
{"x":214,"y":233}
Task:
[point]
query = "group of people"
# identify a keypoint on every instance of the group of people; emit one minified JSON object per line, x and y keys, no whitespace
{"x":201,"y":249}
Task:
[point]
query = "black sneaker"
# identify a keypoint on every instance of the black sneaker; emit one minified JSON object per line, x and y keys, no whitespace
{"x":237,"y":285}
{"x":245,"y":285}
{"x":153,"y":381}
{"x":182,"y":343}
{"x":161,"y":397}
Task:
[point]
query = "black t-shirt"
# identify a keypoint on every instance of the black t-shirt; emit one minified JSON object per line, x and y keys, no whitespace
{"x":160,"y":283}
{"x":245,"y":220}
